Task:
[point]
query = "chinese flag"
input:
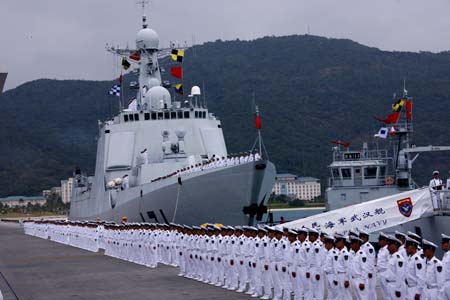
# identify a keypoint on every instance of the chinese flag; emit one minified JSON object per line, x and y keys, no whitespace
{"x":257,"y":122}
{"x":135,"y":56}
{"x":409,"y":110}
{"x":177,"y":72}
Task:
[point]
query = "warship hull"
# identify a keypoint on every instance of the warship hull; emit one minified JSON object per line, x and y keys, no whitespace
{"x":214,"y":196}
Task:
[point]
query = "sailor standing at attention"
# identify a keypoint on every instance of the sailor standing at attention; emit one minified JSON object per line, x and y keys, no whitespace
{"x":435,"y":185}
{"x":414,"y":272}
{"x":330,"y":269}
{"x":342,"y":268}
{"x":445,"y":290}
{"x":359,"y":269}
{"x":434,"y":278}
{"x":393,"y":276}
{"x":371,"y":256}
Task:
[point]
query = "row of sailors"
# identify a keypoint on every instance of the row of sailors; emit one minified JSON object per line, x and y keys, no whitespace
{"x":213,"y":163}
{"x":271,"y":263}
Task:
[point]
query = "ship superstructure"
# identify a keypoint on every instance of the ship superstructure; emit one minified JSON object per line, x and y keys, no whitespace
{"x":161,"y":160}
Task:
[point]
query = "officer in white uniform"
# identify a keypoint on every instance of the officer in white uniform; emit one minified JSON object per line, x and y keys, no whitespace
{"x":414,"y":271}
{"x":369,"y":250}
{"x":393,"y":276}
{"x":445,"y":291}
{"x":436,"y":185}
{"x":402,"y":238}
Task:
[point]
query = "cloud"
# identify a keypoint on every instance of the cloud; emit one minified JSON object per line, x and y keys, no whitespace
{"x":65,"y":39}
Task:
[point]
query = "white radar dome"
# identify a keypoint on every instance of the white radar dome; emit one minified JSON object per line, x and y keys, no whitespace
{"x":195,"y":91}
{"x":147,"y":39}
{"x":157,"y":95}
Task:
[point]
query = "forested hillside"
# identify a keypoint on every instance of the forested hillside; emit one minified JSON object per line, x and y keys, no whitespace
{"x":310,"y":90}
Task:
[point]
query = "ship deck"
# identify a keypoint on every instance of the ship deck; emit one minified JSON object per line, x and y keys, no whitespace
{"x":33,"y":268}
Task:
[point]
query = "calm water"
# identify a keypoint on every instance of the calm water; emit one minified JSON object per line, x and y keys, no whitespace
{"x":292,"y":215}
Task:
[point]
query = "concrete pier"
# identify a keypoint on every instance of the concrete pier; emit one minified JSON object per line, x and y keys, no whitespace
{"x":33,"y":268}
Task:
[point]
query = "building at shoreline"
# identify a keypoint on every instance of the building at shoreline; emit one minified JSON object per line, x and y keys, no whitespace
{"x":304,"y":188}
{"x":66,"y":190}
{"x":13,"y":201}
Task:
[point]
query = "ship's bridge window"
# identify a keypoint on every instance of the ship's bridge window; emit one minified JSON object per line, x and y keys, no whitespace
{"x":370,"y":172}
{"x":153,"y":115}
{"x":131,"y":117}
{"x":346,"y":173}
{"x":125,"y":118}
{"x":196,"y":114}
{"x":335,"y":172}
{"x":180,"y":114}
{"x":166,"y":115}
{"x":186,"y":115}
{"x":173,"y":114}
{"x":382,"y":171}
{"x":136,"y":117}
{"x":160,"y":116}
{"x":147,"y":116}
{"x":204,"y":114}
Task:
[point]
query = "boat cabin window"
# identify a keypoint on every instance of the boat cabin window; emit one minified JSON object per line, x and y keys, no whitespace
{"x":382,"y":171}
{"x":153,"y":116}
{"x":370,"y":172}
{"x":166,"y":115}
{"x":136,"y":117}
{"x":335,"y":172}
{"x":147,"y":116}
{"x":160,"y":116}
{"x":186,"y":115}
{"x":173,"y":115}
{"x":346,"y":173}
{"x":180,"y":114}
{"x":125,"y":118}
{"x":196,"y":114}
{"x":204,"y":114}
{"x":131,"y":117}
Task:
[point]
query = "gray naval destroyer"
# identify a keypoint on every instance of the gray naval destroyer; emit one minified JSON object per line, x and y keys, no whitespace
{"x":358,"y":176}
{"x":161,"y":160}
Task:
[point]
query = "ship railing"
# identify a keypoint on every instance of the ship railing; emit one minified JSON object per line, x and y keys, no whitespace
{"x":441,"y":201}
{"x":362,"y":155}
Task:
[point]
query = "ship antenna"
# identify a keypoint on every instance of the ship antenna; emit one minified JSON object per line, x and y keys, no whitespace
{"x":144,"y":17}
{"x":405,"y":92}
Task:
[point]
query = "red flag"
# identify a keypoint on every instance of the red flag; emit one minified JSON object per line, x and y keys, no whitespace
{"x":391,"y":118}
{"x":257,"y":122}
{"x":392,"y":131}
{"x":409,"y":110}
{"x":345,"y":144}
{"x":177,"y":72}
{"x":135,"y":56}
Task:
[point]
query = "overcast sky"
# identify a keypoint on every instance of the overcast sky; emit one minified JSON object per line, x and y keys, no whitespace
{"x":65,"y":39}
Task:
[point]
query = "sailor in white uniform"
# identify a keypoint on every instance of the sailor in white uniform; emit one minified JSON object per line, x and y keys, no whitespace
{"x":330,"y":269}
{"x":402,"y":238}
{"x":414,"y":271}
{"x":393,"y":276}
{"x":343,"y":269}
{"x":434,"y":277}
{"x":369,"y":250}
{"x":435,"y":186}
{"x":445,"y":291}
{"x":359,"y":270}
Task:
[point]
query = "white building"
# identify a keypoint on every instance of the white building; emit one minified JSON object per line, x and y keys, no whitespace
{"x":66,"y":190}
{"x":305,"y":188}
{"x":13,"y":201}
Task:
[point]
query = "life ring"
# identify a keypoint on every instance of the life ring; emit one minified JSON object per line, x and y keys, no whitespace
{"x":390,"y":180}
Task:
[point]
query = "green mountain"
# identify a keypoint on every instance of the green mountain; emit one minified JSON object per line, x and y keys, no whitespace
{"x":309,"y":89}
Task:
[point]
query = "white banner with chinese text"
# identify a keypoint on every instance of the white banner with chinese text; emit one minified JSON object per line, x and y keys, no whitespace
{"x":371,"y":216}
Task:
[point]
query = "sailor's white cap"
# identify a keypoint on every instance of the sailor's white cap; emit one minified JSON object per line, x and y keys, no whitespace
{"x":428,"y":244}
{"x":354,"y":239}
{"x":411,"y":241}
{"x":383,"y":235}
{"x":445,"y":237}
{"x":353,"y":232}
{"x":302,"y":230}
{"x":435,"y":172}
{"x":399,"y":233}
{"x":292,"y":232}
{"x":313,"y":231}
{"x":414,"y":235}
{"x":329,"y":238}
{"x":362,"y":232}
{"x":394,"y":239}
{"x":251,"y":228}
